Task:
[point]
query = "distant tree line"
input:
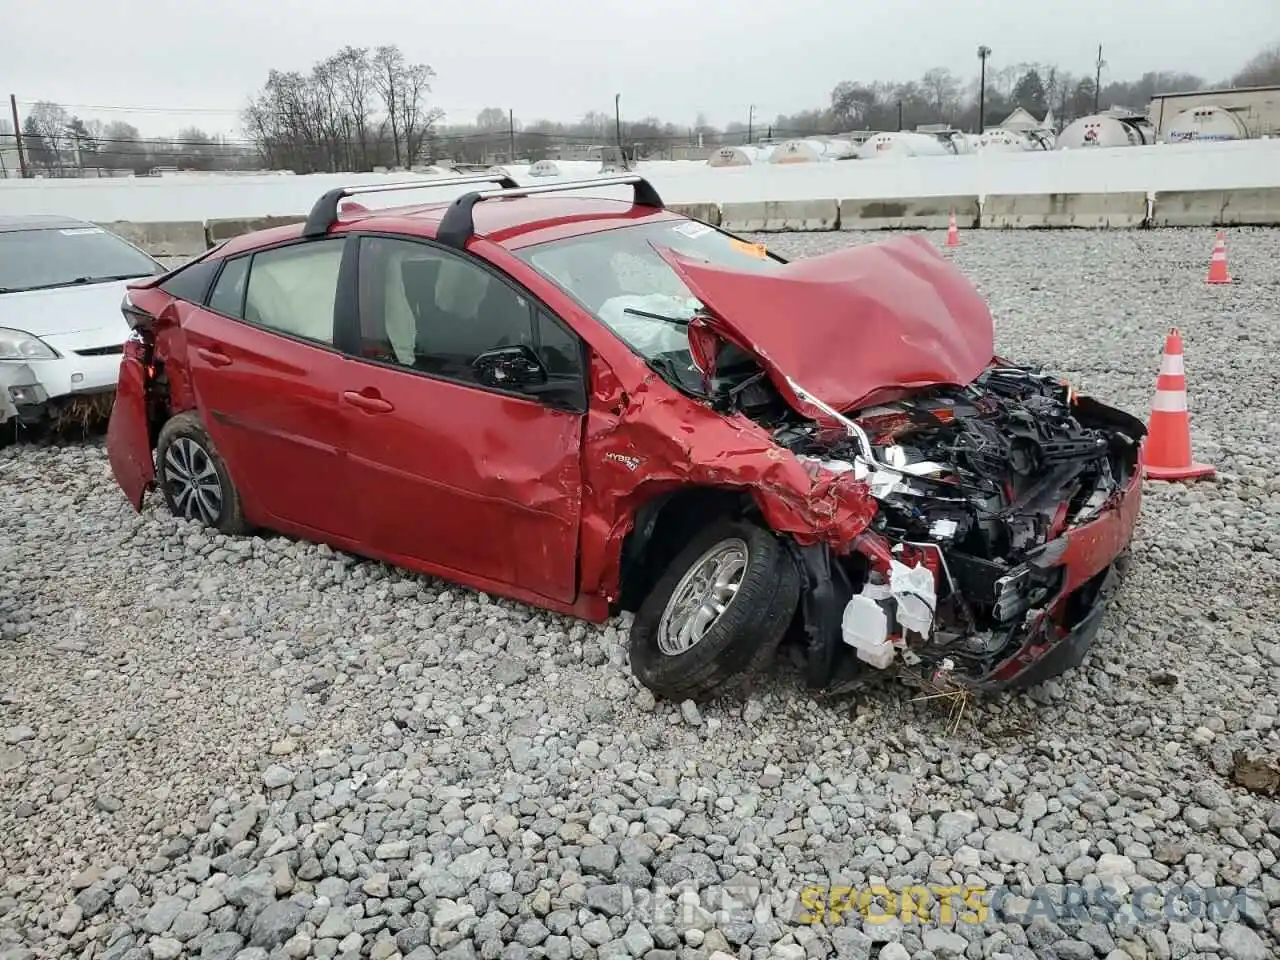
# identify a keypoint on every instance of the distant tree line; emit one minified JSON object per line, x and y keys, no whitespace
{"x":363,"y":108}
{"x":59,"y":144}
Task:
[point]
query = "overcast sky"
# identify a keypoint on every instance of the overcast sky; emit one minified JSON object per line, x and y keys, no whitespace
{"x":560,"y":58}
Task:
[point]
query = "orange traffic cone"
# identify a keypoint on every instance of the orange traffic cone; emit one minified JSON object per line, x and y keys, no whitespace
{"x":1167,"y":453}
{"x":953,"y":232}
{"x":1218,"y":262}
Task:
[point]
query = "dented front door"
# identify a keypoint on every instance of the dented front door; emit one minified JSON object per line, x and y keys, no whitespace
{"x":466,"y":480}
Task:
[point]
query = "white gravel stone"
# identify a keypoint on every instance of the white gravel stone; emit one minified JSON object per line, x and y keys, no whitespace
{"x":270,"y":748}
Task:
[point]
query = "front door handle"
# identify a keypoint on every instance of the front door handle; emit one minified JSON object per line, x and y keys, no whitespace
{"x":214,"y":358}
{"x":368,"y":400}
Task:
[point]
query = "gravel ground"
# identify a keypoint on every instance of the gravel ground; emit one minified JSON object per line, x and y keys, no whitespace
{"x":255,"y":748}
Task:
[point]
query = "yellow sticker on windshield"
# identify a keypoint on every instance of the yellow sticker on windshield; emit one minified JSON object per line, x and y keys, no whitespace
{"x":755,"y":249}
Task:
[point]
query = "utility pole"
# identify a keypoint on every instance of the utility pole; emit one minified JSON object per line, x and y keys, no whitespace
{"x":899,"y":116}
{"x":511,"y":129}
{"x":751,"y":116}
{"x":983,"y":52}
{"x":1097,"y":79}
{"x":17,"y":137}
{"x":617,"y":120}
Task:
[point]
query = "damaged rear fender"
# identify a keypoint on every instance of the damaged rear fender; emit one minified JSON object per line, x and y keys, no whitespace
{"x":129,"y":432}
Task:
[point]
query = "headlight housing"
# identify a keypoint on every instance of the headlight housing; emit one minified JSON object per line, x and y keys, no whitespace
{"x":20,"y":345}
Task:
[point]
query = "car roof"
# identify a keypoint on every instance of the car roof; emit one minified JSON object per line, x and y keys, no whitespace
{"x":35,"y":221}
{"x":512,"y":222}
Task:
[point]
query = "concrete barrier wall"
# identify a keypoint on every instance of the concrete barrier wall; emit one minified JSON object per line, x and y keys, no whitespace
{"x":706,"y":212}
{"x":909,"y":213}
{"x":163,"y":239}
{"x":1217,"y":208}
{"x":1244,"y":164}
{"x":219,"y":230}
{"x":1090,"y":210}
{"x":778,"y":216}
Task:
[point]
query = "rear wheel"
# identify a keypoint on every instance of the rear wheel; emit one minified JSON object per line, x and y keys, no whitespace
{"x":717,"y":613}
{"x":194,"y":480}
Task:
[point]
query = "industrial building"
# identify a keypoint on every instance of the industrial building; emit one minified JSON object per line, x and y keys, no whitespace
{"x":1229,"y":114}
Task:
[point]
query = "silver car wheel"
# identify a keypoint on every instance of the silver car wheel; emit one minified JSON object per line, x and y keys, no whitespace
{"x":702,"y":596}
{"x":192,"y":481}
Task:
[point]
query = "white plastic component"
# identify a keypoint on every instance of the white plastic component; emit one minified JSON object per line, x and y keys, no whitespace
{"x":866,"y":629}
{"x":943,"y":529}
{"x":916,"y":593}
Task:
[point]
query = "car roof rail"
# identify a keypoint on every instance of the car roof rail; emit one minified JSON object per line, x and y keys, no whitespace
{"x":457,"y":226}
{"x":324,"y":214}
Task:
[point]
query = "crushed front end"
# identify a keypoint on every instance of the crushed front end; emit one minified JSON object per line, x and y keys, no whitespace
{"x":1005,"y":510}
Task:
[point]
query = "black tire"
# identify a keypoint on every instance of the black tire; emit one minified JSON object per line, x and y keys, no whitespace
{"x":745,"y":636}
{"x":184,"y":449}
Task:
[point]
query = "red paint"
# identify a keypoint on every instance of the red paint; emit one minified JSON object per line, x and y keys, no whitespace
{"x":854,"y":326}
{"x":507,"y":495}
{"x":128,"y":446}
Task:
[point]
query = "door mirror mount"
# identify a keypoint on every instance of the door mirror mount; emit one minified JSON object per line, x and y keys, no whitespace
{"x":514,"y":367}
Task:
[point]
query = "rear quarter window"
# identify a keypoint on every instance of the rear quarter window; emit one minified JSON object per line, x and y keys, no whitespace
{"x":191,"y":283}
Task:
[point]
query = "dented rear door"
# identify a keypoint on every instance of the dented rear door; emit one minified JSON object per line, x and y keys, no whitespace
{"x":129,"y":434}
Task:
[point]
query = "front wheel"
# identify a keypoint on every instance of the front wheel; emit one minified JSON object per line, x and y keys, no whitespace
{"x":717,"y":614}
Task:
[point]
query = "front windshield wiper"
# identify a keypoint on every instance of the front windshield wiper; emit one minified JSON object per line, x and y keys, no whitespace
{"x":677,"y":321}
{"x":79,"y":281}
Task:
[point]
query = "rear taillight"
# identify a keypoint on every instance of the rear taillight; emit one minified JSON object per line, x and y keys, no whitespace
{"x":134,"y":315}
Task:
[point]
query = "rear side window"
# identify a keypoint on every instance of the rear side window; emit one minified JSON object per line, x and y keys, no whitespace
{"x":228,"y":293}
{"x":191,"y":283}
{"x":292,"y":289}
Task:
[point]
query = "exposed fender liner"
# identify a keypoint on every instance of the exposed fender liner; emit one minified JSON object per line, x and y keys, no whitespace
{"x":822,"y":602}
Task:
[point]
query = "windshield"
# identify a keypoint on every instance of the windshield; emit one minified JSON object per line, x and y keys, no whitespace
{"x":618,"y":276}
{"x":44,"y":258}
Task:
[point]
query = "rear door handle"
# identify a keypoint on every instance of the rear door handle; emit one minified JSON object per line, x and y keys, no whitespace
{"x":370,"y":402}
{"x":214,"y":358}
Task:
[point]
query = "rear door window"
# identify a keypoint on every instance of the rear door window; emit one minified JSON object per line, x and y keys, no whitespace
{"x":228,"y":291}
{"x":292,"y":289}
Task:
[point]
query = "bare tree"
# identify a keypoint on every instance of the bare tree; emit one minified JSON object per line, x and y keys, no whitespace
{"x":943,"y":91}
{"x":47,"y":124}
{"x":1262,"y":70}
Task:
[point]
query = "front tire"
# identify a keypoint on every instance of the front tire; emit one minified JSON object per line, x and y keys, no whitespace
{"x":717,"y":613}
{"x":194,"y":479}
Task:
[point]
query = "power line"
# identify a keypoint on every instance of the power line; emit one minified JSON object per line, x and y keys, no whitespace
{"x":125,"y":109}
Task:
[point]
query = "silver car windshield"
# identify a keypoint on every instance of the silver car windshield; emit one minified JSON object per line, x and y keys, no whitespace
{"x":45,"y":258}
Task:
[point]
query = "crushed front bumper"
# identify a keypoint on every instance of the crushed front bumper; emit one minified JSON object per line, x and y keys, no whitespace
{"x":1092,"y":558}
{"x":1086,"y":563}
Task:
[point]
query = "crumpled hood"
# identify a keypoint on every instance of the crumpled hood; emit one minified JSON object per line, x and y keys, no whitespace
{"x":64,"y":313}
{"x":856,"y":326}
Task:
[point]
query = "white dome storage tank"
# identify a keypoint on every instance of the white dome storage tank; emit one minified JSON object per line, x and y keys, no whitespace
{"x":743,"y":156}
{"x":1100,"y":130}
{"x":799,"y":151}
{"x":544,"y":168}
{"x":1205,"y":123}
{"x":905,"y":144}
{"x":1001,"y":140}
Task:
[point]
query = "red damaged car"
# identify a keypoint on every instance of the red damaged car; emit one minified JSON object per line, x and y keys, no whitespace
{"x":592,"y":405}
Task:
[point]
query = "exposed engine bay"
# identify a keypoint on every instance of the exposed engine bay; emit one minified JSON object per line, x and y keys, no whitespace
{"x":972,"y":483}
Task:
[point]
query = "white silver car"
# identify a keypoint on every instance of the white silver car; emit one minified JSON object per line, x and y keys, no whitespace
{"x":61,"y":329}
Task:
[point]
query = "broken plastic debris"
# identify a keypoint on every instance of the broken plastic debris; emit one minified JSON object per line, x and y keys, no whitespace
{"x":913,"y":588}
{"x":865,"y":626}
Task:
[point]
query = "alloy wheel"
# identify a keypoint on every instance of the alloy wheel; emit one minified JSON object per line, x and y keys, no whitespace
{"x":702,"y":596}
{"x":192,"y":481}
